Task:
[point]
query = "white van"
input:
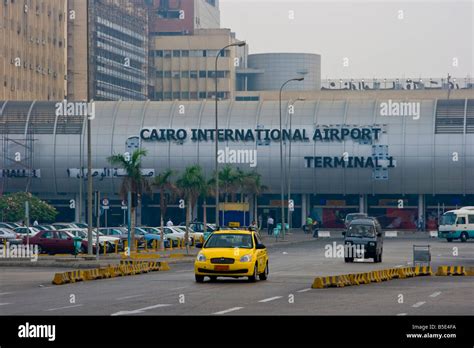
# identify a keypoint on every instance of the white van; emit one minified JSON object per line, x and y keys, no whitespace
{"x":457,"y":224}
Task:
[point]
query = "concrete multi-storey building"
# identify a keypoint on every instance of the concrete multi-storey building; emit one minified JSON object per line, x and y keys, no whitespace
{"x":32,"y":50}
{"x":183,"y":67}
{"x":114,"y":44}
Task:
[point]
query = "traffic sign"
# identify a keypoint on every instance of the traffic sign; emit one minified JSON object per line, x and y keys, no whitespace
{"x":105,"y":202}
{"x":291,"y":205}
{"x":124,"y":205}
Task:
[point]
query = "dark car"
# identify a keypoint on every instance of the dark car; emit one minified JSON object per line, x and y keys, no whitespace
{"x":353,"y":216}
{"x":52,"y":242}
{"x":363,"y":238}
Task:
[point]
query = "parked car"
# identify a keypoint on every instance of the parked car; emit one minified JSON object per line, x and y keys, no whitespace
{"x":151,"y":234}
{"x":64,"y":225}
{"x":108,"y":241}
{"x":193,"y":236}
{"x":363,"y":238}
{"x":122,"y":233}
{"x":8,"y":236}
{"x":45,"y":227}
{"x":52,"y":242}
{"x":10,"y":225}
{"x":23,"y":231}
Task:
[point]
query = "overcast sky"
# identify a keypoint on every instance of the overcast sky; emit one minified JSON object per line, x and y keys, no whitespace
{"x":380,"y":38}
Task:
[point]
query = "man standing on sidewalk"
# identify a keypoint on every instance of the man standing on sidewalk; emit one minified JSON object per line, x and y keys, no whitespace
{"x":309,"y":224}
{"x":270,"y":224}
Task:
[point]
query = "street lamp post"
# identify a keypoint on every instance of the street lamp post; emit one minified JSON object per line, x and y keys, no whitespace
{"x":282,"y":181}
{"x":216,"y":139}
{"x":289,"y":166}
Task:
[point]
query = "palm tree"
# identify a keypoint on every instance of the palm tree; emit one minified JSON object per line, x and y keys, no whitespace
{"x":208,"y":189}
{"x":227,"y":178}
{"x":133,"y":182}
{"x":168,"y":191}
{"x":253,"y":185}
{"x":191,"y":185}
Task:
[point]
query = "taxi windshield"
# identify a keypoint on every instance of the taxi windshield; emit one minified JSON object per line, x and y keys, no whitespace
{"x":361,"y":231}
{"x":229,"y":240}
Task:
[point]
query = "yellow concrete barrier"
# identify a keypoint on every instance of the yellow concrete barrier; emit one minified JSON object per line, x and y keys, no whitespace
{"x":451,"y":270}
{"x":320,"y":283}
{"x":116,"y":246}
{"x":60,"y":279}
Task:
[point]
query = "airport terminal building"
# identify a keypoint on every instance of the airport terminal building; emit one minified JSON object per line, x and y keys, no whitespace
{"x":395,"y":154}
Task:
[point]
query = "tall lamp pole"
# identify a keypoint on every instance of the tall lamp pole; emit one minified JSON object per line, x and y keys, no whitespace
{"x":239,"y":44}
{"x":282,"y":181}
{"x":89,"y":147}
{"x":288,"y":177}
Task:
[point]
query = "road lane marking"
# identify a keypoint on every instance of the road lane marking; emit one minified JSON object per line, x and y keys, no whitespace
{"x":304,"y":290}
{"x":127,"y":297}
{"x":401,"y":314}
{"x":5,"y":293}
{"x":57,"y":309}
{"x":228,"y":310}
{"x":182,"y":287}
{"x":140,"y":310}
{"x":270,"y":299}
{"x":435,"y":294}
{"x":418,"y":304}
{"x":4,"y":304}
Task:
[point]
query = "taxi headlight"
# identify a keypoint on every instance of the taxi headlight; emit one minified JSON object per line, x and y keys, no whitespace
{"x":201,"y":257}
{"x":246,"y":258}
{"x":372,"y":243}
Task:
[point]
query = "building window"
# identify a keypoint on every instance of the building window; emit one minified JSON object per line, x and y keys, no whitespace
{"x":202,"y":95}
{"x":202,"y":74}
{"x":176,"y":95}
{"x":167,"y":95}
{"x":193,"y":74}
{"x":193,"y":95}
{"x":185,"y":95}
{"x":158,"y":53}
{"x":184,"y":53}
{"x":185,"y":74}
{"x":176,"y":74}
{"x":167,"y":54}
{"x":159,"y":73}
{"x":176,"y":53}
{"x":167,"y":74}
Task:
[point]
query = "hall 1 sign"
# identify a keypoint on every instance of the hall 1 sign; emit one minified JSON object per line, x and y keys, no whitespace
{"x":20,"y":173}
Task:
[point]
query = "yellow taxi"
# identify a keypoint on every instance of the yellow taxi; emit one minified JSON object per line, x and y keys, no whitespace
{"x":232,"y":253}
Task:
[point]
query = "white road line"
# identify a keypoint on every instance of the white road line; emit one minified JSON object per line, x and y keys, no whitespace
{"x":435,"y":294}
{"x":5,"y":293}
{"x":228,"y":310}
{"x":127,"y":297}
{"x":401,"y":314}
{"x":4,"y":304}
{"x":418,"y":304}
{"x":270,"y":299}
{"x":140,"y":310}
{"x":304,"y":290}
{"x":56,"y":309}
{"x":182,"y":287}
{"x":183,"y":271}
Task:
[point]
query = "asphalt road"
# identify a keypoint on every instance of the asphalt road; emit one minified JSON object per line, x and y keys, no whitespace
{"x":28,"y":291}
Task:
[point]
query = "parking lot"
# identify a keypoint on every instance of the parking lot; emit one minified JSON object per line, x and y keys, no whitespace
{"x":27,"y":290}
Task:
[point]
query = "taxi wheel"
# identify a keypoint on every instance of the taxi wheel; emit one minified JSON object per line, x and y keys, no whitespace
{"x":253,"y":278}
{"x":449,"y":240}
{"x":264,"y":275}
{"x":199,"y":278}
